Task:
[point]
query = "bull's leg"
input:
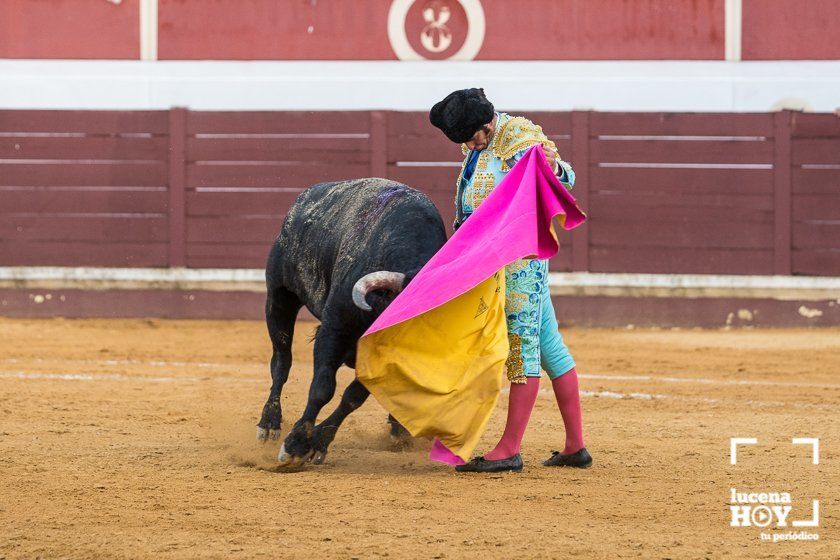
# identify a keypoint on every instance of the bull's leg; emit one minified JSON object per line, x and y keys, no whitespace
{"x":281,"y":309}
{"x":400,"y":437}
{"x":354,"y":396}
{"x":331,"y":349}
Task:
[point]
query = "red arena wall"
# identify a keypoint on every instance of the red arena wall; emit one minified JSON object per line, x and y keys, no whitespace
{"x":266,"y":29}
{"x":537,"y":30}
{"x":785,"y":30}
{"x":78,"y":29}
{"x":432,"y":29}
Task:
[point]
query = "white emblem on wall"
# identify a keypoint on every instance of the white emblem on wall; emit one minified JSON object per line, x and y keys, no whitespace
{"x":436,"y":36}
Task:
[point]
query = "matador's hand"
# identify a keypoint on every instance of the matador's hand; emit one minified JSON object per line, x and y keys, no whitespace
{"x":551,"y":156}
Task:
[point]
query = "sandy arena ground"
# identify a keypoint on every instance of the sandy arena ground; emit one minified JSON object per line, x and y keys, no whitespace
{"x":135,"y":439}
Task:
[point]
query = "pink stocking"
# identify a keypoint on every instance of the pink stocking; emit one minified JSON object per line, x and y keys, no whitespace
{"x":521,"y":403}
{"x":568,"y":399}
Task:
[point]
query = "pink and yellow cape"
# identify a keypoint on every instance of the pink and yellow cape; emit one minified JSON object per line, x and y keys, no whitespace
{"x":435,"y":357}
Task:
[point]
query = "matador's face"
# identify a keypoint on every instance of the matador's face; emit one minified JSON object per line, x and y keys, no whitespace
{"x":481,"y":139}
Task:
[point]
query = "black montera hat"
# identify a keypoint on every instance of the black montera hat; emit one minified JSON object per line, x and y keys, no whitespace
{"x":462,"y":113}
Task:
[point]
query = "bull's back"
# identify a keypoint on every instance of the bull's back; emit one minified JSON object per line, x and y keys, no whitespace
{"x":334,"y":229}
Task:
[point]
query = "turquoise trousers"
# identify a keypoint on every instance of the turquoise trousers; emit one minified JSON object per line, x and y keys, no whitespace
{"x":555,"y":358}
{"x":535,"y":341}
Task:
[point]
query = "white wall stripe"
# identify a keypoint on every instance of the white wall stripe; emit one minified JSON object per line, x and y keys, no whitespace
{"x":148,"y":29}
{"x":258,"y":368}
{"x":138,"y":274}
{"x":706,"y":381}
{"x":670,"y":138}
{"x":121,"y":377}
{"x":647,"y":165}
{"x":733,"y":26}
{"x":690,"y":280}
{"x":523,"y":85}
{"x":31,"y":376}
{"x":144,"y":363}
{"x":561,"y":283}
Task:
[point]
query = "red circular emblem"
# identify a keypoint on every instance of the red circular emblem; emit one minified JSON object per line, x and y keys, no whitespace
{"x":436,"y":29}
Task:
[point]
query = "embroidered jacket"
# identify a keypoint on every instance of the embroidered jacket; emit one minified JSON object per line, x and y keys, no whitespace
{"x":482,"y":171}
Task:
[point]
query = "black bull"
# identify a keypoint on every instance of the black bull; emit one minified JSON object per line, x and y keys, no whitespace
{"x":344,"y":251}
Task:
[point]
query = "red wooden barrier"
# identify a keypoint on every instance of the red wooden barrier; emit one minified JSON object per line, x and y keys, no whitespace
{"x":690,"y":193}
{"x":665,"y":192}
{"x":245,"y":169}
{"x":815,"y":186}
{"x":83,"y":188}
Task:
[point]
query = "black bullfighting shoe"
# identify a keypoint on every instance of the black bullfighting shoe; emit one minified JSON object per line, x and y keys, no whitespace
{"x":480,"y":464}
{"x":579,"y":459}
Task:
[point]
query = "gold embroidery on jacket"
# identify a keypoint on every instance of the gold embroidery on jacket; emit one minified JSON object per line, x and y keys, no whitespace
{"x":482,"y":186}
{"x":517,"y":265}
{"x":514,"y":366}
{"x":515,"y":302}
{"x":483,"y":158}
{"x":515,"y":135}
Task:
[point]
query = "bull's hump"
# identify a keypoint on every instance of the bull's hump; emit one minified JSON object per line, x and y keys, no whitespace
{"x":357,"y":196}
{"x":369,"y":189}
{"x":351,"y":209}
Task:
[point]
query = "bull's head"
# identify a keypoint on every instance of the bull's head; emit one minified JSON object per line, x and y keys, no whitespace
{"x":380,"y":280}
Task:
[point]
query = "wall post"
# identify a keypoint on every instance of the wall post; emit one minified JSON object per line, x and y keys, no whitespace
{"x":782,"y":196}
{"x":379,"y":144}
{"x":177,"y":187}
{"x":580,"y":163}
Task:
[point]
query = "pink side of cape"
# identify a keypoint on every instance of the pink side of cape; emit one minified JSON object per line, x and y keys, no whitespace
{"x":441,"y":454}
{"x":512,"y":223}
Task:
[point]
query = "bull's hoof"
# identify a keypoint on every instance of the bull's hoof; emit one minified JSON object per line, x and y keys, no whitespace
{"x":319,"y":457}
{"x":264,"y":435}
{"x":297,"y":449}
{"x":287,"y":460}
{"x":270,"y":420}
{"x":401,"y":442}
{"x":322,"y":437}
{"x":400,"y":437}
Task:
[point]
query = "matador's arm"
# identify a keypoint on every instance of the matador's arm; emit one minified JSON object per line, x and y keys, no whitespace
{"x":517,"y":135}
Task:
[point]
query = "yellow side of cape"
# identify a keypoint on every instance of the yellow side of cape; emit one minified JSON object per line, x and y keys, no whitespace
{"x":440,"y":373}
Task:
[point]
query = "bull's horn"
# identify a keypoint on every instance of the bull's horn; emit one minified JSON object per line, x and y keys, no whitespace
{"x":382,"y":279}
